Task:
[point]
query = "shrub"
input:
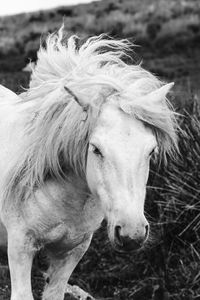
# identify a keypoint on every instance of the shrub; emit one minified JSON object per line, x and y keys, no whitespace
{"x":65,"y":11}
{"x":153,"y":29}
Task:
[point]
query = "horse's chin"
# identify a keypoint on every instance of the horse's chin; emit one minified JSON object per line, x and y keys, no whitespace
{"x":123,"y":250}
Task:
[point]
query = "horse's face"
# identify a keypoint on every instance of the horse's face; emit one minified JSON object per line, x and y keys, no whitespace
{"x":117,"y":171}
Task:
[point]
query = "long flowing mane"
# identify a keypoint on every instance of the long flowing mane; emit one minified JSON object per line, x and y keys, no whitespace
{"x":57,"y":129}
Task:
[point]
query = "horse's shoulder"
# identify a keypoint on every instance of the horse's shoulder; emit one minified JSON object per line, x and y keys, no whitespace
{"x":7,"y":95}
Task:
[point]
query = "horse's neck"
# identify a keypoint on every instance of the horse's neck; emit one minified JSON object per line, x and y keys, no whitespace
{"x":75,"y":197}
{"x":72,"y":189}
{"x":71,"y":197}
{"x":78,"y":186}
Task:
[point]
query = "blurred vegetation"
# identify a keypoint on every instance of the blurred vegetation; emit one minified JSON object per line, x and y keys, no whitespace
{"x":164,"y":26}
{"x":168,"y":33}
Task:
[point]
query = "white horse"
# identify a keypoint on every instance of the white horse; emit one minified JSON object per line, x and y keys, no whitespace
{"x":75,"y":149}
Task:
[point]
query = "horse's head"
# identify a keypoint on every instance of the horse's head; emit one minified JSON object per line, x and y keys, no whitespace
{"x":117,"y":171}
{"x":126,"y":134}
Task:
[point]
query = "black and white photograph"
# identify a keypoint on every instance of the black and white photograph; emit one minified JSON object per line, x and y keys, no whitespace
{"x":100,"y":150}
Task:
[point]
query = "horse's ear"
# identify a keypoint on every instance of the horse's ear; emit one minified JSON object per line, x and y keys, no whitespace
{"x":157,"y":97}
{"x":77,"y":99}
{"x":160,"y":94}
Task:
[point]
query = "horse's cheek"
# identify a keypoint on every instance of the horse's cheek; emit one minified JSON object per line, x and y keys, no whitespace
{"x":92,"y":172}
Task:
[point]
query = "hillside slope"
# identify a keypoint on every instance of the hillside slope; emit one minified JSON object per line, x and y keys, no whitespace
{"x":168,"y":33}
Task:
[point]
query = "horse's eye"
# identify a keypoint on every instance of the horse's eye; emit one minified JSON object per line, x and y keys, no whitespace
{"x":96,"y":151}
{"x":154,"y":151}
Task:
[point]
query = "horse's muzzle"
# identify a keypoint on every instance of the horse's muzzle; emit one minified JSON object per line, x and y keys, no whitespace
{"x":127,"y":244}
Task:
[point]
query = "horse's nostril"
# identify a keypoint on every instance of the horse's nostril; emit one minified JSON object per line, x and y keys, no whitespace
{"x":118,"y":239}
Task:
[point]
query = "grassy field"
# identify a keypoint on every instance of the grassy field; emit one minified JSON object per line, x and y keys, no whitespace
{"x":168,"y":33}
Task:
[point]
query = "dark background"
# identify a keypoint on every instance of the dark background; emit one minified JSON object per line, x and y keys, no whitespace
{"x":168,"y":37}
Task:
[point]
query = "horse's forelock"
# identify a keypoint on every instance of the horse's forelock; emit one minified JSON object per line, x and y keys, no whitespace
{"x":158,"y":115}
